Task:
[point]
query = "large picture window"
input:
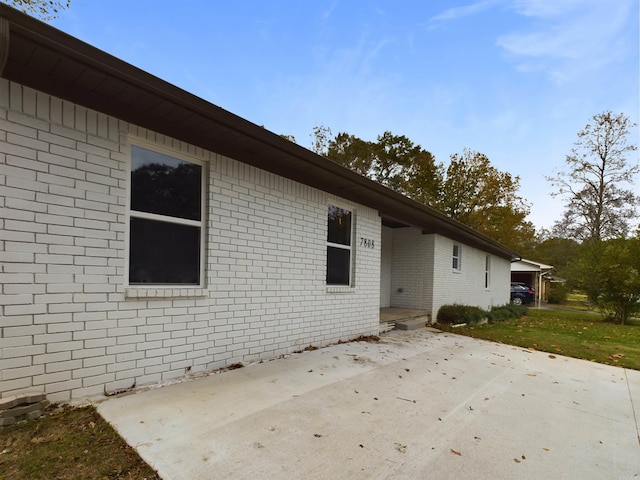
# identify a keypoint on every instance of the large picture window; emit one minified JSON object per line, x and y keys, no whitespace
{"x":338,"y":246}
{"x":165,"y":219}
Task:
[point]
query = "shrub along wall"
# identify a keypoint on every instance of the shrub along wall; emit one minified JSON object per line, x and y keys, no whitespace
{"x":457,"y":314}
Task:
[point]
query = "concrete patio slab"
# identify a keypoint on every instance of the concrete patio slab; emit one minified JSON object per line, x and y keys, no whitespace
{"x":417,"y":404}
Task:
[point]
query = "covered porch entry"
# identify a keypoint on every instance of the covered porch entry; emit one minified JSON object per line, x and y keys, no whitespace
{"x":405,"y":278}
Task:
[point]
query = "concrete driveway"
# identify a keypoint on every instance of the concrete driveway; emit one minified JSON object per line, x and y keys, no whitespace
{"x":416,"y":405}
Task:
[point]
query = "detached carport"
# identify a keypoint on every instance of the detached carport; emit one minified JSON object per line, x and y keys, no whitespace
{"x":533,"y":274}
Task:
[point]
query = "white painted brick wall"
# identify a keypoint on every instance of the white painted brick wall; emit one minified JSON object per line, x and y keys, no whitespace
{"x":68,"y":323}
{"x":422,"y":269}
{"x":409,"y":270}
{"x":468,"y":285}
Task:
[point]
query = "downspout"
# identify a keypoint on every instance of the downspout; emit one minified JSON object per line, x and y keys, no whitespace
{"x":542,"y":274}
{"x":4,"y":43}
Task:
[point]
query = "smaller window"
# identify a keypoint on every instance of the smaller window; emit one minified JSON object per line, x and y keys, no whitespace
{"x":487,"y":271}
{"x":457,"y":257}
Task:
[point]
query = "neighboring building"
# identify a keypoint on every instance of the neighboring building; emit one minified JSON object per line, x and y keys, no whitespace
{"x":534,"y":274}
{"x":146,"y":234}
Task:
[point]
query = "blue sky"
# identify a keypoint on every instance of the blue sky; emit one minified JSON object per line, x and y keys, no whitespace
{"x":513,"y":79}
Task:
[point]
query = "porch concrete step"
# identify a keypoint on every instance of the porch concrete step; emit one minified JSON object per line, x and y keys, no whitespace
{"x":387,"y":326}
{"x":412,"y":323}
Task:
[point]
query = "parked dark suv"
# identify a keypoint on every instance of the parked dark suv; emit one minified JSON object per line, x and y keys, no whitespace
{"x":521,"y":294}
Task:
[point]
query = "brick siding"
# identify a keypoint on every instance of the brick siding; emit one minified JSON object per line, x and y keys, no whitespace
{"x":423,"y":277}
{"x":69,"y":324}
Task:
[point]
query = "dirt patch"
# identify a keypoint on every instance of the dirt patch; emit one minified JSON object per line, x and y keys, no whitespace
{"x":362,"y":338}
{"x":233,"y":366}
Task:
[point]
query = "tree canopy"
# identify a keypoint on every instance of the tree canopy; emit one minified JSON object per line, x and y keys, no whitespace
{"x":477,"y":194}
{"x":392,"y":160}
{"x":470,"y":190}
{"x":556,"y":251}
{"x":608,"y":272}
{"x":45,"y":10}
{"x":598,"y":202}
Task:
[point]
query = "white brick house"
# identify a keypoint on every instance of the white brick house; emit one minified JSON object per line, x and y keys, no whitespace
{"x":146,"y":234}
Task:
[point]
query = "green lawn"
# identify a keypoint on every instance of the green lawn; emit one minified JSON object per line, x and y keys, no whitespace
{"x":578,"y":301}
{"x":575,"y":334}
{"x":68,"y":444}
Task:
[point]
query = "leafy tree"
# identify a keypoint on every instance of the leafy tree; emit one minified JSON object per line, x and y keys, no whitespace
{"x":320,"y":139}
{"x":391,"y":154}
{"x":477,"y":194}
{"x":472,"y":192}
{"x":392,"y":160}
{"x":45,"y":10}
{"x":406,"y":168}
{"x":351,"y":152}
{"x":291,"y":138}
{"x":556,"y":251}
{"x":609,"y":273}
{"x":598,"y":207}
{"x":423,"y":178}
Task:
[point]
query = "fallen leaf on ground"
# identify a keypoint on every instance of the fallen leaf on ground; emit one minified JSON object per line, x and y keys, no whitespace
{"x":401,"y":448}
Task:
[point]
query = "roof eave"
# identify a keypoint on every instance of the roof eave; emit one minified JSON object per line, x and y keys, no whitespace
{"x":82,"y":74}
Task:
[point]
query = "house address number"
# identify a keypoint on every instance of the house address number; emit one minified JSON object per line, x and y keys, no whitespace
{"x":367,"y":243}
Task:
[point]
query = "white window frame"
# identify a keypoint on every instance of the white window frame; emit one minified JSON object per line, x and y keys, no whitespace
{"x":341,"y":246}
{"x":201,"y":224}
{"x":487,"y":272}
{"x":456,"y":262}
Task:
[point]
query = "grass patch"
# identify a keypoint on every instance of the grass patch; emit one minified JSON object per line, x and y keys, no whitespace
{"x":578,"y":301}
{"x":66,"y":444}
{"x":574,"y":334}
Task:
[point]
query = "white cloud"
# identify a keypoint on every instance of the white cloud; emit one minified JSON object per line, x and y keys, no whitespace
{"x":570,"y":38}
{"x":328,"y":12}
{"x":563,"y":38}
{"x":549,"y":8}
{"x":463,"y":11}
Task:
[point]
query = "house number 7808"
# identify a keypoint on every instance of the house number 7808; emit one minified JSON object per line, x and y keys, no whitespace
{"x":367,"y":243}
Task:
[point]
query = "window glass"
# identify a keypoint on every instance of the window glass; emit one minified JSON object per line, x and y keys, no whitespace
{"x":163,"y":253}
{"x":338,"y":266}
{"x":487,"y":271}
{"x":338,"y":246}
{"x":339,"y":230}
{"x":456,"y":256}
{"x":165,"y":220}
{"x":165,"y":185}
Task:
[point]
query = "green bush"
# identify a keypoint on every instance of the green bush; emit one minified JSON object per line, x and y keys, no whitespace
{"x":557,"y":293}
{"x":455,"y":314}
{"x":506,"y":312}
